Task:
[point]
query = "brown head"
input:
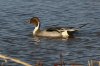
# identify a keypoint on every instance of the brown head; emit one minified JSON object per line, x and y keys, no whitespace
{"x":35,"y":21}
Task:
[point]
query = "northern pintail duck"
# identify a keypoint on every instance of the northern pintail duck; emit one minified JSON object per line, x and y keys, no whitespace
{"x":56,"y":32}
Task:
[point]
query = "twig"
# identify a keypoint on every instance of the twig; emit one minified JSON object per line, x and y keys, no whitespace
{"x":15,"y":60}
{"x":89,"y":64}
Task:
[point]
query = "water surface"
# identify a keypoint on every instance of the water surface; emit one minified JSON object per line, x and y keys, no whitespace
{"x":16,"y":38}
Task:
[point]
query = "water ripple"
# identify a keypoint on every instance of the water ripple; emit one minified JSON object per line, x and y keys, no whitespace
{"x":16,"y":38}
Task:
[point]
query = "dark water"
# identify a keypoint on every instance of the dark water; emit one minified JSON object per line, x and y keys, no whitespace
{"x":16,"y":34}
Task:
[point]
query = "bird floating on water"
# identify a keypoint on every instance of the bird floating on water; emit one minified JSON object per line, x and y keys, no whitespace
{"x":55,"y":32}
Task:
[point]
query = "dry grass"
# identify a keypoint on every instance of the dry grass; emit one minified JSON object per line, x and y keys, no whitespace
{"x":14,"y":60}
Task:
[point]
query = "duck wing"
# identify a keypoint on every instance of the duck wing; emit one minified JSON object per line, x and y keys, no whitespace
{"x":60,"y":29}
{"x":53,"y":28}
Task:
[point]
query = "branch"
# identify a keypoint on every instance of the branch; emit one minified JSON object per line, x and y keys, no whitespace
{"x":15,"y":60}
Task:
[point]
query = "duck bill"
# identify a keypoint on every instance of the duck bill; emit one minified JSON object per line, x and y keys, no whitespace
{"x":28,"y":21}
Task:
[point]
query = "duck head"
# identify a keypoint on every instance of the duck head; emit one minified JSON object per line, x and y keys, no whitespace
{"x":35,"y":21}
